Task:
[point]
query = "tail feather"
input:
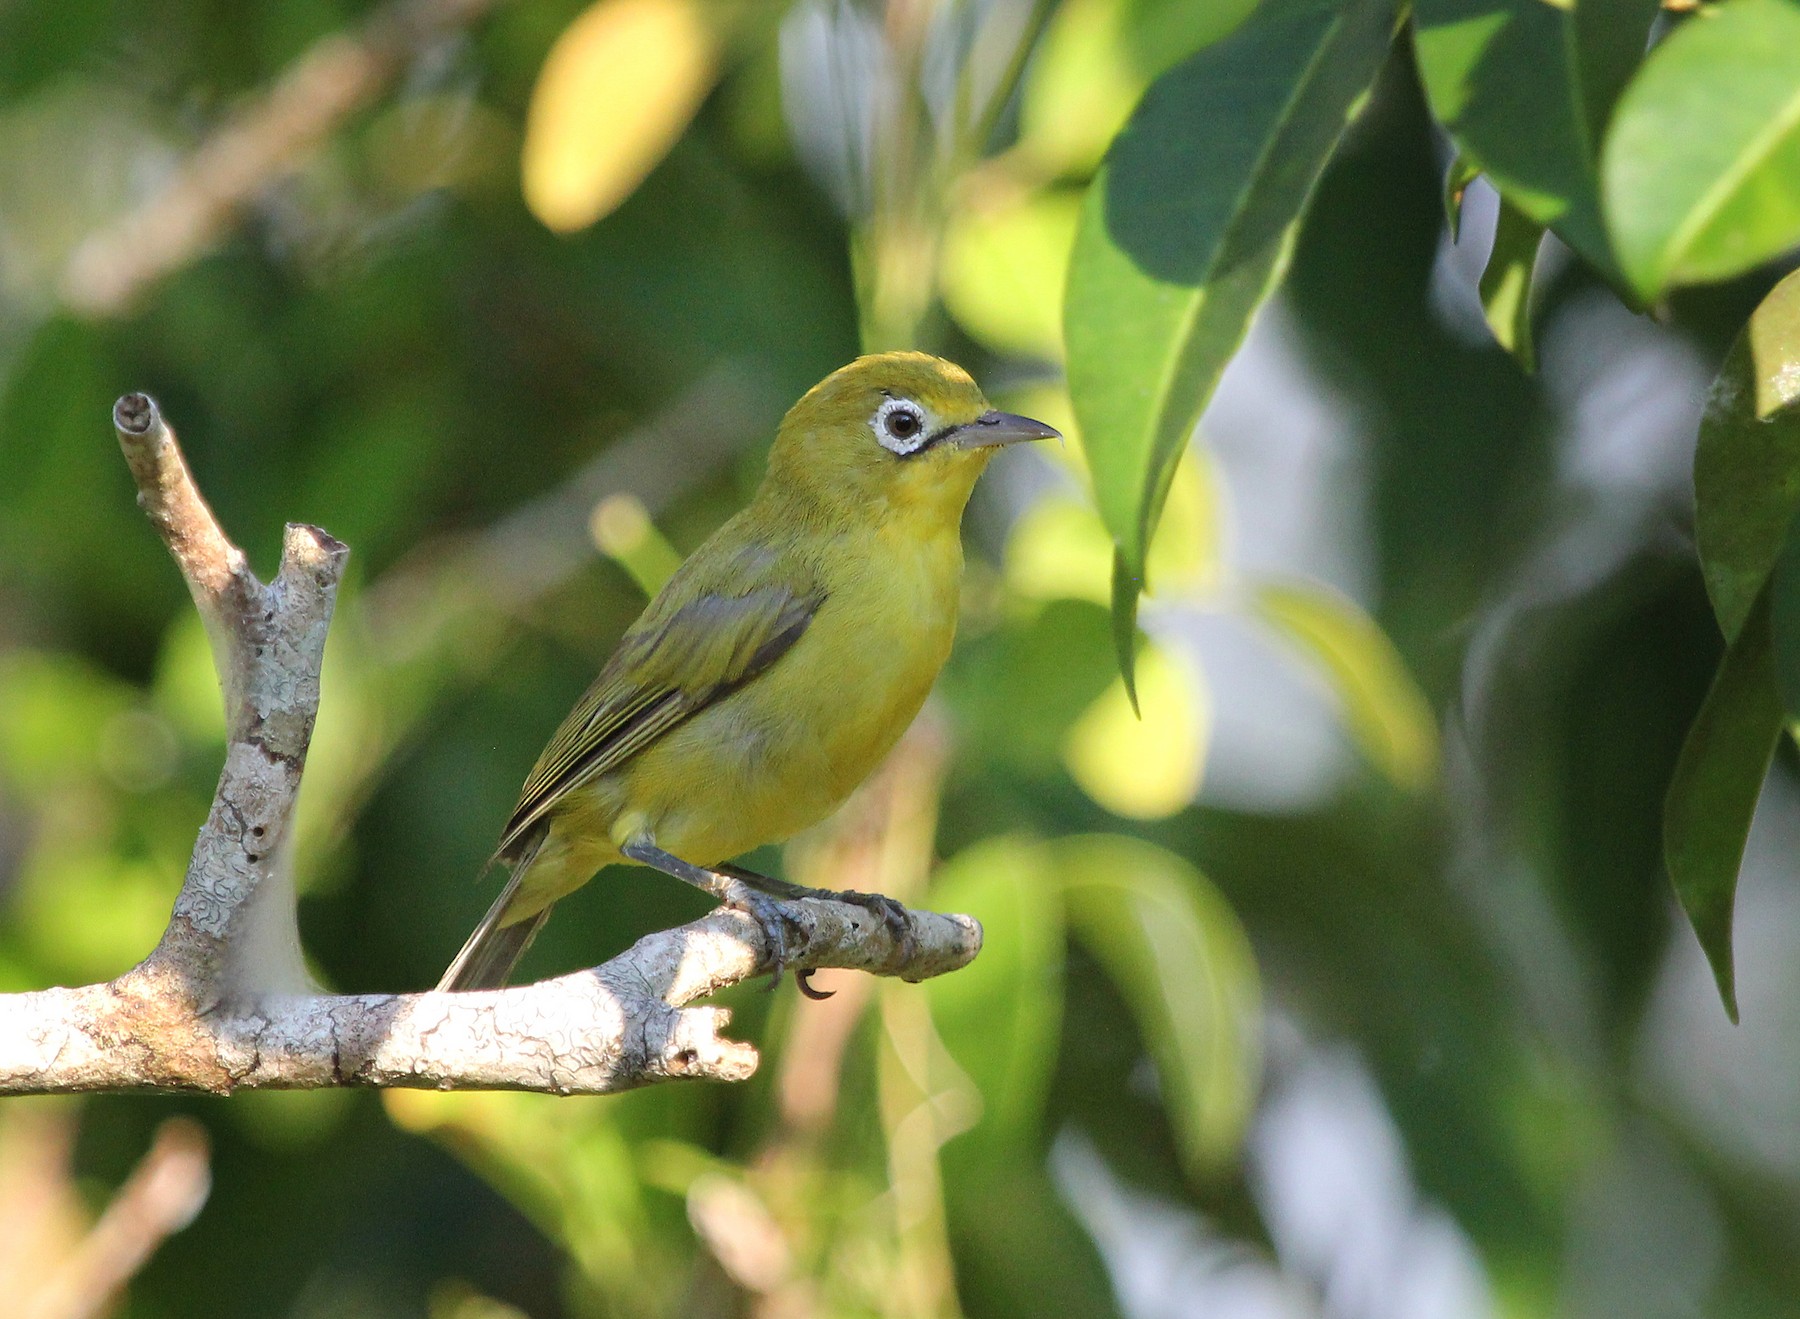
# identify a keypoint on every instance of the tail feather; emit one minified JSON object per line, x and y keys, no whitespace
{"x":493,"y":950}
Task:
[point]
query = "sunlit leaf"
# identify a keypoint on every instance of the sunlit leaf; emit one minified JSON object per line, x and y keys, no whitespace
{"x":1506,"y":284}
{"x":617,"y":89}
{"x":1001,"y":1020}
{"x":1058,"y":549}
{"x":1523,"y":87}
{"x":1175,"y":949}
{"x":1386,"y":713}
{"x":1702,"y":164}
{"x":1142,"y":768}
{"x":1712,"y":797}
{"x":1096,"y":58}
{"x":1004,"y":267}
{"x":1017,"y":690}
{"x":1747,"y":463}
{"x":1186,"y":229}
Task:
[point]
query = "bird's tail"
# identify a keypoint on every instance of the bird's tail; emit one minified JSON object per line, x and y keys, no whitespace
{"x":493,"y":950}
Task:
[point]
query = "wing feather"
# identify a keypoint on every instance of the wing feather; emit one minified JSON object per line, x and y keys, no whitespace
{"x":674,"y":662}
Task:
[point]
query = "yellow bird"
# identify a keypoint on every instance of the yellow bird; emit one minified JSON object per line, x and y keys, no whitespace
{"x":775,"y":669}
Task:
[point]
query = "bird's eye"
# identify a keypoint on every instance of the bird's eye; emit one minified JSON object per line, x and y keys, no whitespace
{"x":900,"y":425}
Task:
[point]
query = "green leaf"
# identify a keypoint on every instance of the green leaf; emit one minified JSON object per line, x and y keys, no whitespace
{"x":1706,"y":818}
{"x":1001,"y":1021}
{"x":1701,"y":170}
{"x":1174,"y":948}
{"x":1187,"y":227}
{"x":1524,"y":88}
{"x":1747,"y":463}
{"x":1506,"y":284}
{"x":1387,"y":715}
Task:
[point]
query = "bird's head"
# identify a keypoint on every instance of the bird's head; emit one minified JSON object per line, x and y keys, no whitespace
{"x":902,"y":432}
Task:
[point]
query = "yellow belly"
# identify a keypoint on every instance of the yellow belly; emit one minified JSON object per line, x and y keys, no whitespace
{"x":782,"y":753}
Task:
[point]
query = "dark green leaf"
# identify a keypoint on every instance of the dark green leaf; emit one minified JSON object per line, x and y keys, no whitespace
{"x":1523,"y":87}
{"x":1747,"y":465}
{"x":1187,"y":227}
{"x":1506,"y":284}
{"x":1718,"y":778}
{"x":1126,"y":588}
{"x":1784,"y":622}
{"x":1701,"y":170}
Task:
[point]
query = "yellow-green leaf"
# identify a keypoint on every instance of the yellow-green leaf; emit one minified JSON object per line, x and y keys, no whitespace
{"x":618,"y":88}
{"x":1142,"y":769}
{"x":1000,"y":1021}
{"x":1187,"y":228}
{"x":1004,"y":267}
{"x":1384,"y":710}
{"x":1701,"y":168}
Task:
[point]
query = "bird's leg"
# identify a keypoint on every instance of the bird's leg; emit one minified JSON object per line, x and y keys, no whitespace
{"x":892,"y":914}
{"x":730,"y":889}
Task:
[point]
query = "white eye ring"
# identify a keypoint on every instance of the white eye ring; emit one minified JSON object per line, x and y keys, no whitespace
{"x":901,"y":425}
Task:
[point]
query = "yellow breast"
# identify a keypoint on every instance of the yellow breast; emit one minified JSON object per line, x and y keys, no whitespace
{"x":781,"y":754}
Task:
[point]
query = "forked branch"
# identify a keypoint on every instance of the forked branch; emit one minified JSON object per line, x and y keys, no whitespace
{"x":224,"y":1000}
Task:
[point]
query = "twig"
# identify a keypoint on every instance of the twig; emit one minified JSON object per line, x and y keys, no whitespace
{"x":223,"y":1001}
{"x":335,"y":77}
{"x":162,"y":1195}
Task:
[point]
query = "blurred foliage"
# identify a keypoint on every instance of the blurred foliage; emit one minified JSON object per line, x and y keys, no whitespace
{"x":1346,"y":981}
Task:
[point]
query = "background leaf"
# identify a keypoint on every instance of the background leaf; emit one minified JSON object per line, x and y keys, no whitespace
{"x":1000,"y":1024}
{"x":1142,"y":769}
{"x":616,"y":90}
{"x":1004,"y":267}
{"x":1386,"y":713}
{"x":1175,"y":950}
{"x":1186,"y":229}
{"x":1747,"y":463}
{"x":1702,"y":165}
{"x":1506,"y":283}
{"x":1713,"y":796}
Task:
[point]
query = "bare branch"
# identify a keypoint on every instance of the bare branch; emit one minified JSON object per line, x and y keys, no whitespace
{"x":331,"y":80}
{"x":224,"y":1002}
{"x":621,"y":1025}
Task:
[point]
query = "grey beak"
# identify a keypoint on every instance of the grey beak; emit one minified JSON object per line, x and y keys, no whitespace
{"x":996,"y":428}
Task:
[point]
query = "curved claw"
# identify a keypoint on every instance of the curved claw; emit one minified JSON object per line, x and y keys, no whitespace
{"x":803,"y":979}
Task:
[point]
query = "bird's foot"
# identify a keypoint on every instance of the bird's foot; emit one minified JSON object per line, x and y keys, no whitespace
{"x":769,"y":916}
{"x":892,"y":913}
